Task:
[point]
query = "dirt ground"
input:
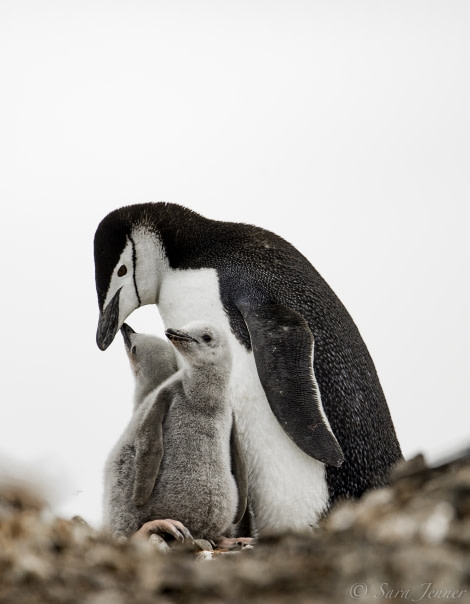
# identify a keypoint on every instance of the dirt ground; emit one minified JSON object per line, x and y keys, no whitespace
{"x":410,"y":541}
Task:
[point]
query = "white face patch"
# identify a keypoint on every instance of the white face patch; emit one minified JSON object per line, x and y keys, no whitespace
{"x":137,"y":274}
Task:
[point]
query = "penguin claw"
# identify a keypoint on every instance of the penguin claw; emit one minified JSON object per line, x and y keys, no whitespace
{"x":175,"y":528}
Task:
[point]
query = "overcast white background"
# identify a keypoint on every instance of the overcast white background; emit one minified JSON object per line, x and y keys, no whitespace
{"x":342,"y":126}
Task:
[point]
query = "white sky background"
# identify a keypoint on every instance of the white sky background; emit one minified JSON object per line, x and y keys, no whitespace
{"x":342,"y":126}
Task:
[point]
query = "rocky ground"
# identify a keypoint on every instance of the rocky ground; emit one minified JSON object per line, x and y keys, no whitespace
{"x":410,"y":542}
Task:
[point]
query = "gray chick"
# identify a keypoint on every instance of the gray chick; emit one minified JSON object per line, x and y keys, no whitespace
{"x":178,"y":465}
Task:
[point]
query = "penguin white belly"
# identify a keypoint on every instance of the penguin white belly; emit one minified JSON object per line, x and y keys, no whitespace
{"x":288,"y":488}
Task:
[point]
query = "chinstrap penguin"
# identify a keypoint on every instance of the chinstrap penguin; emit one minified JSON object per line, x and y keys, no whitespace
{"x":177,"y":468}
{"x":312,"y":419}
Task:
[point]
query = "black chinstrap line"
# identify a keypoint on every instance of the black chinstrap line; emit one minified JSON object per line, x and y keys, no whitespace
{"x":134,"y":264}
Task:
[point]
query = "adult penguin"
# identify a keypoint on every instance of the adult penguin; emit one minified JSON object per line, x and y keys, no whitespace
{"x":311,"y":415}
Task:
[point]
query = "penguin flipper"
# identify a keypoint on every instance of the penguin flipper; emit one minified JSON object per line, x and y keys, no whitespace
{"x":283,"y":344}
{"x":149,"y":447}
{"x":240,"y":473}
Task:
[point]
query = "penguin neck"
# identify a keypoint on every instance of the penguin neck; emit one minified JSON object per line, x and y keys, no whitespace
{"x":151,"y":264}
{"x":183,"y":235}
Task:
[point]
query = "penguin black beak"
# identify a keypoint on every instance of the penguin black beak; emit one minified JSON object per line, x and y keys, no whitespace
{"x":177,"y":335}
{"x":108,"y":323}
{"x":126,"y":331}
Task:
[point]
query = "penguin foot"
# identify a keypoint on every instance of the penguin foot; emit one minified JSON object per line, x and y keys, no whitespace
{"x":158,"y":527}
{"x":231,"y":543}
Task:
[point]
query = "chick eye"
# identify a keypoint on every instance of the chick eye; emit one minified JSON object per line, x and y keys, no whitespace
{"x":206,"y":338}
{"x":122,"y":270}
{"x":133,"y":350}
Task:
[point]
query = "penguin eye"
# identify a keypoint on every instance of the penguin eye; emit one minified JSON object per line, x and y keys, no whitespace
{"x":133,"y":350}
{"x":122,"y":270}
{"x":206,"y":337}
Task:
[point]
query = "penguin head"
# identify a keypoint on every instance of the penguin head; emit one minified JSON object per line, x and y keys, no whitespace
{"x":201,"y":343}
{"x":152,"y":359}
{"x":129,"y":263}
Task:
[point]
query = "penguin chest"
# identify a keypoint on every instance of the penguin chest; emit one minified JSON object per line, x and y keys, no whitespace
{"x":195,"y":483}
{"x":191,"y":295}
{"x":287,"y":488}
